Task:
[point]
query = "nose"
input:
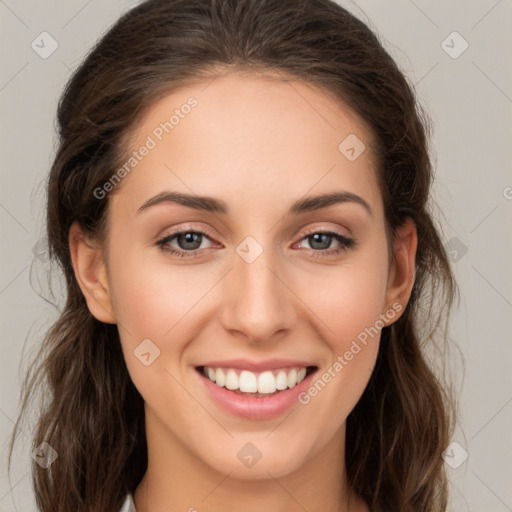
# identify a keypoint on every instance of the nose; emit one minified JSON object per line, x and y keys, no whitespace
{"x":257,"y":301}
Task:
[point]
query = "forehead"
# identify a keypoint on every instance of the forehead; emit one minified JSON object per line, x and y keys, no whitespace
{"x":251,"y":135}
{"x":247,"y":99}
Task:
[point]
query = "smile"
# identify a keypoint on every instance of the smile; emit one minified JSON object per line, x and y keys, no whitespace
{"x":257,"y":391}
{"x":256,"y":383}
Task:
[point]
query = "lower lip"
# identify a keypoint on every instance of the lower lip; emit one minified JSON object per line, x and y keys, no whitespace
{"x":253,"y":407}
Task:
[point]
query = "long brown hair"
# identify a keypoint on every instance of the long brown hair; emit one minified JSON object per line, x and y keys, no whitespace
{"x":92,"y":414}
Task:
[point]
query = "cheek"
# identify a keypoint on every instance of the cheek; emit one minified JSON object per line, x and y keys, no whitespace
{"x":349,"y":309}
{"x":150,"y":297}
{"x":353,"y":339}
{"x":348,"y":305}
{"x":153,"y":304}
{"x":349,"y":297}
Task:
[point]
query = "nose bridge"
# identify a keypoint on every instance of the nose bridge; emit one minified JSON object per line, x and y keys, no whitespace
{"x":258,"y":302}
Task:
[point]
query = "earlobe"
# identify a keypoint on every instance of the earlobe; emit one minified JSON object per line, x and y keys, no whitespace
{"x":91,"y":274}
{"x":403,"y":266}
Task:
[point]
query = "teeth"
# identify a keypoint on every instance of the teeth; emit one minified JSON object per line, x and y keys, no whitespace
{"x":281,"y":380}
{"x":231,"y":379}
{"x":292,"y":378}
{"x":220,"y":377}
{"x":266,"y":382}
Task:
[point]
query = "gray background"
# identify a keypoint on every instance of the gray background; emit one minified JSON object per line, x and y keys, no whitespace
{"x":469,"y":97}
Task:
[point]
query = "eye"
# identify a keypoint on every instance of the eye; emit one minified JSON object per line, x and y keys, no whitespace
{"x":188,"y":241}
{"x":320,"y":241}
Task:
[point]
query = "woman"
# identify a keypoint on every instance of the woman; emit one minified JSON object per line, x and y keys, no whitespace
{"x":277,"y":361}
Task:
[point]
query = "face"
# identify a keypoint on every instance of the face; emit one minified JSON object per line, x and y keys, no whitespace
{"x":264,"y":288}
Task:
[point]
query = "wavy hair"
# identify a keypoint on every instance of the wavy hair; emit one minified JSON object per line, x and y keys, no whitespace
{"x":91,"y":413}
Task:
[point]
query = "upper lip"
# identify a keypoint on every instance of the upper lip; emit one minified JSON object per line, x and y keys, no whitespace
{"x":258,"y":366}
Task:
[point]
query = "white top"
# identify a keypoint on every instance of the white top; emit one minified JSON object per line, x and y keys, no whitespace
{"x":128,"y":505}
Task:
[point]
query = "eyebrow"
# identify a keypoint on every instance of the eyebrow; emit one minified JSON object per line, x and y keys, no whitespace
{"x":213,"y":205}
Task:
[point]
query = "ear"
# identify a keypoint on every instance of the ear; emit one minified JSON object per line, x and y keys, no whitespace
{"x":402,"y":268}
{"x":91,"y":274}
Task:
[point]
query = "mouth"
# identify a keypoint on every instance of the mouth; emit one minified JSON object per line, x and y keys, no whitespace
{"x":263,"y":384}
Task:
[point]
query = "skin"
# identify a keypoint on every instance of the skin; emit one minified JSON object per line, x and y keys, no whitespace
{"x":258,"y":144}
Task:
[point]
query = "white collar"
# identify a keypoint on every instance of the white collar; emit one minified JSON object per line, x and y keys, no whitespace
{"x":128,"y":505}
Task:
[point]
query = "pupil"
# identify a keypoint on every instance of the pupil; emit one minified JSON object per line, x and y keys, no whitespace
{"x":317,"y":238}
{"x":189,"y":238}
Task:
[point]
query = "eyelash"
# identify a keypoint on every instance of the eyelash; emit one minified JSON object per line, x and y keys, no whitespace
{"x":346,"y":243}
